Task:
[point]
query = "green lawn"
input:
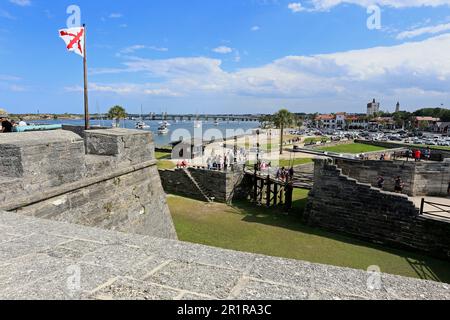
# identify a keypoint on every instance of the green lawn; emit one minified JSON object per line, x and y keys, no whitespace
{"x":163,"y":163}
{"x":352,"y":148}
{"x":315,"y":140}
{"x":162,"y":155}
{"x":248,"y":228}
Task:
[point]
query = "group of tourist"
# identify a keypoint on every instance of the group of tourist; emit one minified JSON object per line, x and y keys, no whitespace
{"x":7,"y":126}
{"x":282,"y":174}
{"x":182,"y":164}
{"x":226,"y":161}
{"x":418,"y":155}
{"x":398,"y":184}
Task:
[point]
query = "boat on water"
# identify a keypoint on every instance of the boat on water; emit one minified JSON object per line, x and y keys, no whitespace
{"x":141,"y":125}
{"x":163,"y":129}
{"x":216,"y":123}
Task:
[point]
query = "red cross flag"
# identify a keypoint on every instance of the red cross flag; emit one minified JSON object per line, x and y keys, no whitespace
{"x":74,"y":39}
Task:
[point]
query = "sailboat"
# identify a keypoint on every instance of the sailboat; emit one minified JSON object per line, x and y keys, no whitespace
{"x":141,"y":124}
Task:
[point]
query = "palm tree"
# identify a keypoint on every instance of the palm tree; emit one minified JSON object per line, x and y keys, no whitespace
{"x":283,"y":119}
{"x":117,"y":113}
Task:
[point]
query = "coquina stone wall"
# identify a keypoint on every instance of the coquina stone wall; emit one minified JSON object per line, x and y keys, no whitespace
{"x":111,"y":183}
{"x":218,"y":185}
{"x":420,"y":179}
{"x":341,"y":204}
{"x":435,"y":153}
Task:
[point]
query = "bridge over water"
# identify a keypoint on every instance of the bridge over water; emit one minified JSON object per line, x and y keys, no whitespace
{"x":192,"y":117}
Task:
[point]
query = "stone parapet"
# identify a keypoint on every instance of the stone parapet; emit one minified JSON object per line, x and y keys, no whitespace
{"x":341,"y":204}
{"x":37,"y":257}
{"x":115,"y":185}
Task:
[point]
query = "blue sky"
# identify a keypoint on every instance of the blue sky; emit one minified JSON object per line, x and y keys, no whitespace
{"x":226,"y":56}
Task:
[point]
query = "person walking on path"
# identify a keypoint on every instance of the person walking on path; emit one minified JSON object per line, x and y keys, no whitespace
{"x":427,"y":154}
{"x":418,"y":155}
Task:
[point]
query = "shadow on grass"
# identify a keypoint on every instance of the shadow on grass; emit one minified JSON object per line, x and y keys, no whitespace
{"x":426,"y":268}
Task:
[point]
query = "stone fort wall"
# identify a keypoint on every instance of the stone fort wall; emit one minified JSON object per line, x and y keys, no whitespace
{"x":421,"y":179}
{"x":109,"y":180}
{"x":204,"y":185}
{"x":435,"y":153}
{"x":339,"y":203}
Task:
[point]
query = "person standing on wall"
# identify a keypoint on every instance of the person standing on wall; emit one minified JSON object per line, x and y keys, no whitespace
{"x":418,"y":155}
{"x":399,"y":185}
{"x":380,"y":182}
{"x":427,"y":154}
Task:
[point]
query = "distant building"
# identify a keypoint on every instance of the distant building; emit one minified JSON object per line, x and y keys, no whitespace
{"x":327,"y":121}
{"x":379,"y":123}
{"x":373,"y":108}
{"x":442,"y":127}
{"x":341,"y":120}
{"x":397,"y":107}
{"x":426,"y":123}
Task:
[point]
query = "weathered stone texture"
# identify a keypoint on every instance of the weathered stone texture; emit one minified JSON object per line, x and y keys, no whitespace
{"x":128,"y":146}
{"x":40,"y":255}
{"x":420,"y":178}
{"x":342,"y":204}
{"x":116,"y":186}
{"x":222,"y":186}
{"x":435,"y":154}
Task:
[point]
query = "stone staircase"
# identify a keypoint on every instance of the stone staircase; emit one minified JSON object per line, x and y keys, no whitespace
{"x":304,"y":177}
{"x":303,"y":180}
{"x":207,"y":197}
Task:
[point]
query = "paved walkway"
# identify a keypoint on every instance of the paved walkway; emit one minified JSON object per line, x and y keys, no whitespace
{"x":42,"y":259}
{"x":444,"y":201}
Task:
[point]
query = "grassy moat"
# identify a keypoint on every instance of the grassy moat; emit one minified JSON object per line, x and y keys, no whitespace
{"x":352,"y":148}
{"x":245,"y":227}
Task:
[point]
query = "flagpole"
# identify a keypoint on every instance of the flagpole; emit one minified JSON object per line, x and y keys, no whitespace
{"x":86,"y":102}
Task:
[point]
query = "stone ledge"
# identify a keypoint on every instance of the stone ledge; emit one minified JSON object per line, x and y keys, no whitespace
{"x":38,"y":257}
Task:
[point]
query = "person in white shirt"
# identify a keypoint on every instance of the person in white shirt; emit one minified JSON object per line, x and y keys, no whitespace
{"x":22,"y":123}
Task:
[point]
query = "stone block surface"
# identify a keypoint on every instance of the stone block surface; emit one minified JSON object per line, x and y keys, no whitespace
{"x":103,"y":265}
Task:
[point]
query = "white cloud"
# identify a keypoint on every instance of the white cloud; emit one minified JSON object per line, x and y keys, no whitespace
{"x":402,"y":72}
{"x":5,"y":14}
{"x":222,"y":50}
{"x":296,"y":7}
{"x":148,"y":89}
{"x":134,"y":48}
{"x":424,"y":30}
{"x":255,"y":28}
{"x":323,"y":5}
{"x":5,"y":77}
{"x":115,"y":15}
{"x":22,"y":3}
